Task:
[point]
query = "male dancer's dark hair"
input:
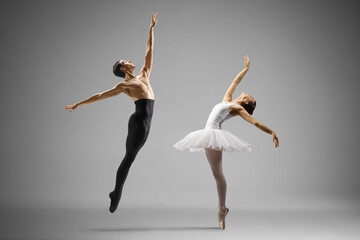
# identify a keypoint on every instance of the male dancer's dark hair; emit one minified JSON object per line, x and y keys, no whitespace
{"x":117,"y":71}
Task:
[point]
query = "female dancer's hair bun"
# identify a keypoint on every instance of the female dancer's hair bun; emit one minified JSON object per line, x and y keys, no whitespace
{"x":117,"y":71}
{"x":249,"y":107}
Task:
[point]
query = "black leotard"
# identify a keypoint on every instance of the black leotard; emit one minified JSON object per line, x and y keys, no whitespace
{"x":138,"y":131}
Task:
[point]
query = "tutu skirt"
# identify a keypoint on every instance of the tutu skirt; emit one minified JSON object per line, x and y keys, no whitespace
{"x":217,"y":139}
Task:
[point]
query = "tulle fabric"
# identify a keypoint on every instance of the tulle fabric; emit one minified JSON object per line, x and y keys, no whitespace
{"x":217,"y":139}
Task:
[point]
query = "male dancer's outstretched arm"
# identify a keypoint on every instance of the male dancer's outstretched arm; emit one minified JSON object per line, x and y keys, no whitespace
{"x":146,"y":69}
{"x":237,"y":80}
{"x":116,"y":90}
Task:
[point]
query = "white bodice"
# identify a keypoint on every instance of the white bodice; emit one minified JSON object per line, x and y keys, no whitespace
{"x":218,"y":115}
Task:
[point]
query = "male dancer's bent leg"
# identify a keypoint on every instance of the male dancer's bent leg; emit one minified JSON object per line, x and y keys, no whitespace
{"x":137,"y":135}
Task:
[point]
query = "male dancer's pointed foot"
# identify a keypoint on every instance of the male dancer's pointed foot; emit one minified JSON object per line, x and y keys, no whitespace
{"x":221,"y":217}
{"x":114,"y":203}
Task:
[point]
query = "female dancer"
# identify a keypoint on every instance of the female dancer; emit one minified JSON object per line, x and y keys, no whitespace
{"x":138,"y":88}
{"x":214,"y":140}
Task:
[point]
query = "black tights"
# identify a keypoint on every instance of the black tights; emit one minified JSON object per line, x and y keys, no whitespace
{"x":138,"y":131}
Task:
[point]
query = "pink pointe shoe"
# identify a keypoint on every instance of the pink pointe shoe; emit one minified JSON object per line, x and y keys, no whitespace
{"x":221,"y":217}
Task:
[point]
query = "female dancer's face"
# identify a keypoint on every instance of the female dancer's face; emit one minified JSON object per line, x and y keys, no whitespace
{"x":246,"y":97}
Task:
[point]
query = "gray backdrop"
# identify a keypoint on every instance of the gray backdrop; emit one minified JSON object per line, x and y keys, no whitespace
{"x":304,"y":75}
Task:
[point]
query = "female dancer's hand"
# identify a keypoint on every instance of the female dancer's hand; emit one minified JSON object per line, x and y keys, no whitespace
{"x":275,"y":139}
{"x":247,"y":61}
{"x":153,"y":20}
{"x":71,"y":107}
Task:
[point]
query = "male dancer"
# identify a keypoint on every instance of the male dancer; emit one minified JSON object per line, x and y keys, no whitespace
{"x":138,"y":88}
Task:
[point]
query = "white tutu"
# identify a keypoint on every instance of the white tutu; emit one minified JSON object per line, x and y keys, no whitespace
{"x":217,"y":139}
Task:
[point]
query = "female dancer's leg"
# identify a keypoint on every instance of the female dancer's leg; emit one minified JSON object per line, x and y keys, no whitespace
{"x":215,"y":160}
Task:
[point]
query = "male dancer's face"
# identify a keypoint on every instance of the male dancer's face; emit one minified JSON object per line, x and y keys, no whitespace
{"x":128,"y":65}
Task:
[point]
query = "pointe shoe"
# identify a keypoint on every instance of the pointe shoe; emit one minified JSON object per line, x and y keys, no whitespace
{"x":114,"y":202}
{"x":221,"y":218}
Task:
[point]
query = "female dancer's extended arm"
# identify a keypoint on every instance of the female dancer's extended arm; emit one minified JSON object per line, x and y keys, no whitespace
{"x":116,"y":90}
{"x":237,"y":80}
{"x":240,"y":111}
{"x":149,"y":47}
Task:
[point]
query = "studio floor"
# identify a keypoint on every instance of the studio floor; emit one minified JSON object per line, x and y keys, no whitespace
{"x":184,"y":224}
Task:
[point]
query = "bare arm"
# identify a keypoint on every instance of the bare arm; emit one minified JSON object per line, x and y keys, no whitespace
{"x":97,"y":97}
{"x":237,"y":80}
{"x":240,"y":111}
{"x":149,"y":46}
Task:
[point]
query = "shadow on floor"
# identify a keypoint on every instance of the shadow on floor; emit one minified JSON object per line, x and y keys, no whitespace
{"x":144,"y":229}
